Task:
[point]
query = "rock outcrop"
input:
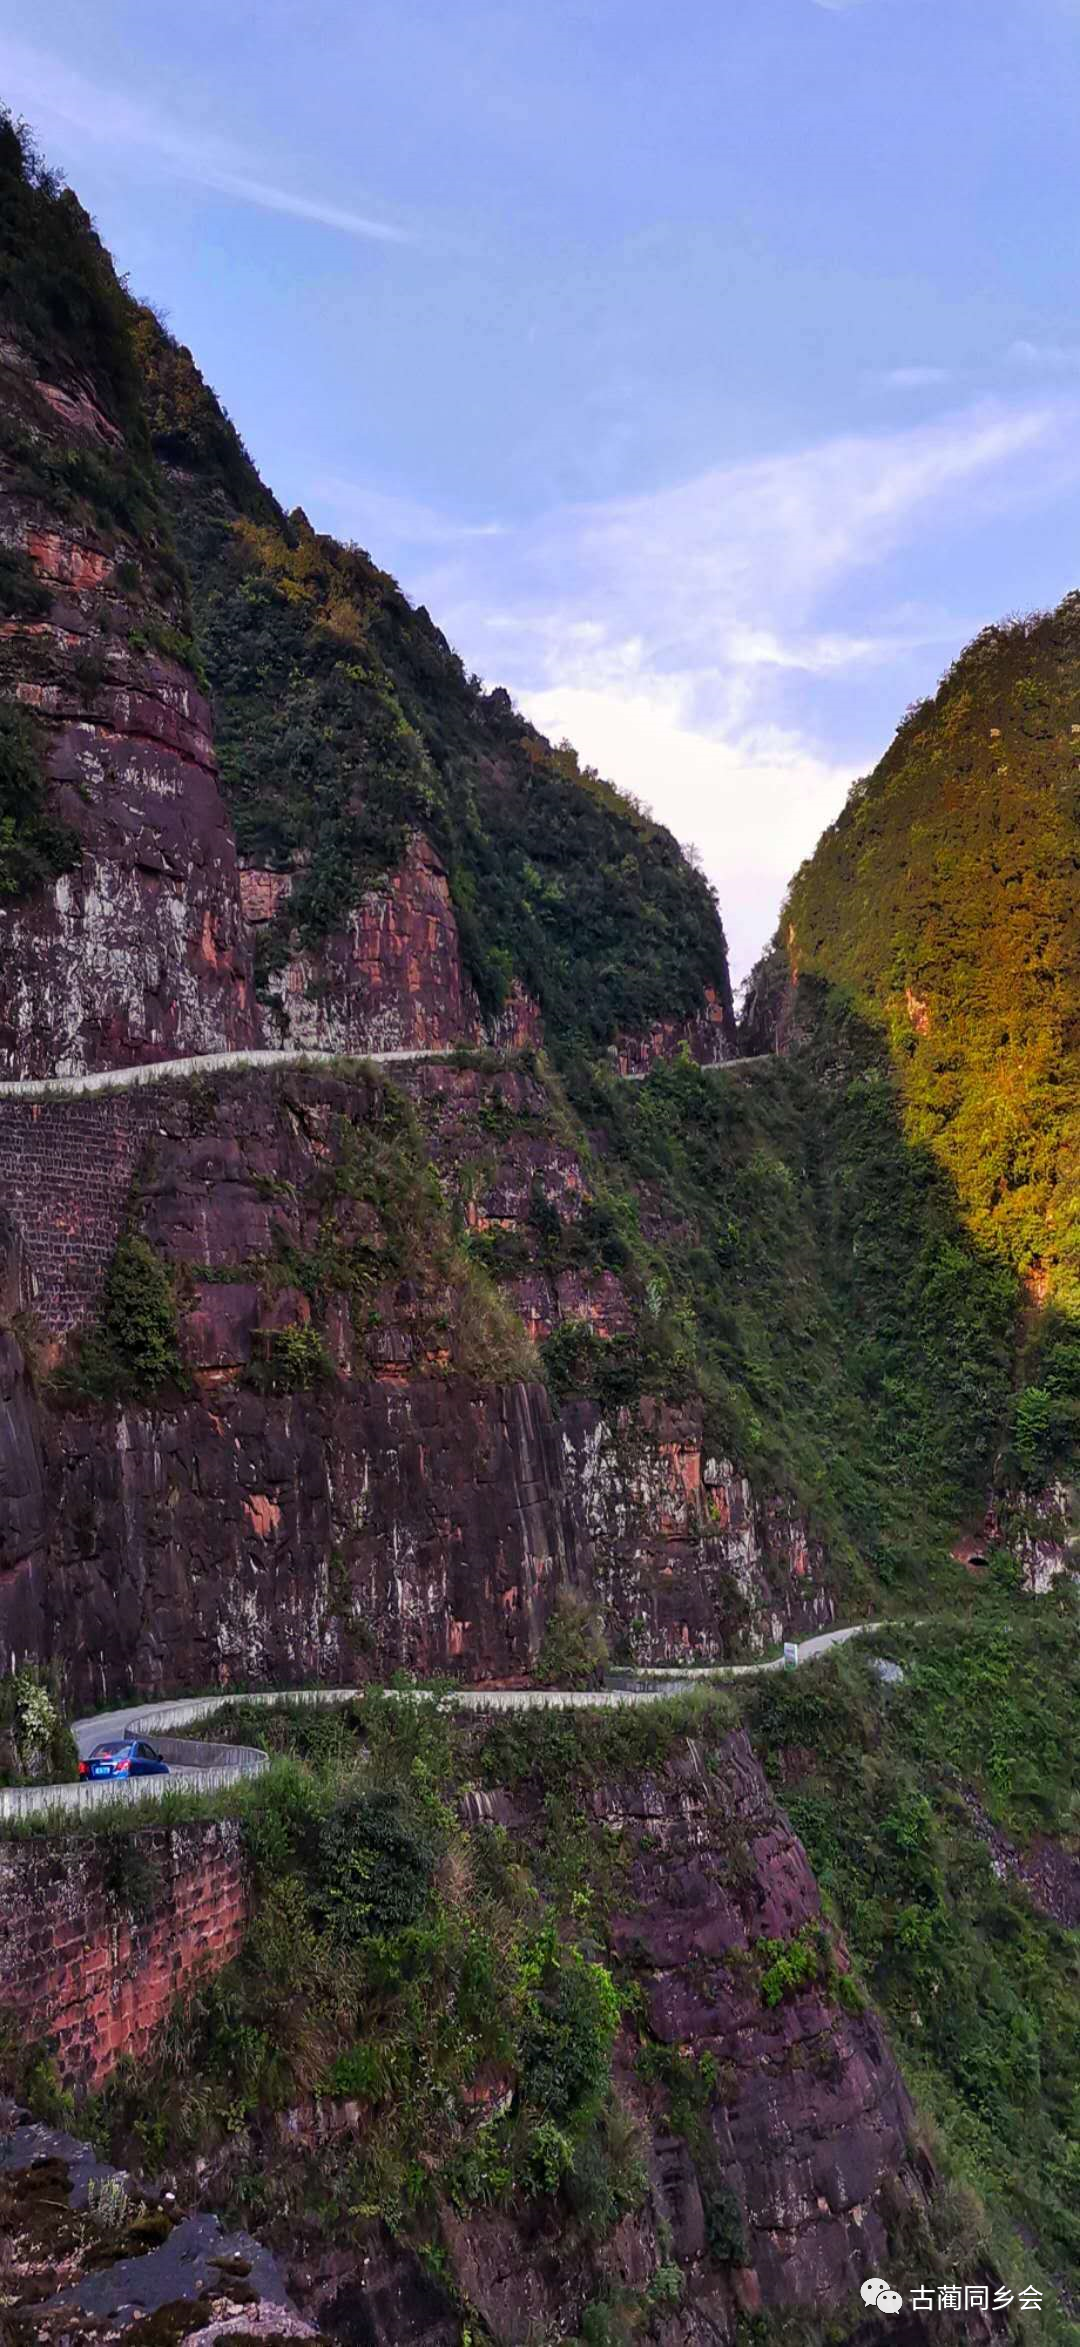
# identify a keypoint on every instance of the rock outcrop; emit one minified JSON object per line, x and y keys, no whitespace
{"x":391,"y":979}
{"x":784,"y":2175}
{"x":157,"y":2269}
{"x":138,"y":951}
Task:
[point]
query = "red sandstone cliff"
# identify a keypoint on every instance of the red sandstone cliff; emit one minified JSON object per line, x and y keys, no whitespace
{"x":139,"y":951}
{"x":391,"y":979}
{"x":409,"y":1506}
{"x":794,"y":2172}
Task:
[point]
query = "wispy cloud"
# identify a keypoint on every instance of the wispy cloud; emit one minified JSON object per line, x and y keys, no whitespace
{"x":54,"y":98}
{"x":691,"y":572}
{"x":281,"y":199}
{"x":821,"y":655}
{"x":380,"y":518}
{"x":1046,"y":358}
{"x":911,"y":378}
{"x":684,"y":639}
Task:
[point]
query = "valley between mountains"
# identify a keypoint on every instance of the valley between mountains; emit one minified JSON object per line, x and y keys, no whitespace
{"x":415,"y":1274}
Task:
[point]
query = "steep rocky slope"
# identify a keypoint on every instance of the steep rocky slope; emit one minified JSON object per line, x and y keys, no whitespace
{"x":346,"y":725}
{"x":639,"y":2093}
{"x":720,"y":1351}
{"x":945,"y":895}
{"x":121,"y":934}
{"x":938,"y":1807}
{"x":421,"y":867}
{"x":308,"y":1372}
{"x":300,"y":1430}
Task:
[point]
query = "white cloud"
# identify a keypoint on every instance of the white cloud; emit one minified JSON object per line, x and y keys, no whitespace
{"x":719,"y":576}
{"x":50,"y":94}
{"x":677,"y":638}
{"x":753,"y":804}
{"x":810,"y":655}
{"x":911,"y":378}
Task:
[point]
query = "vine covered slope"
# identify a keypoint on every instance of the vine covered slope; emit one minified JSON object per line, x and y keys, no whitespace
{"x":945,"y":897}
{"x":944,"y":901}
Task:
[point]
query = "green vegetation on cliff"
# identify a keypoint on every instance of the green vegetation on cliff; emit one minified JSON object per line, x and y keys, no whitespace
{"x":344,"y":720}
{"x":940,"y":1815}
{"x":58,"y":287}
{"x":944,"y":898}
{"x":34,"y":845}
{"x":36,"y":1745}
{"x":411,"y":1955}
{"x":805,"y":1268}
{"x":788,"y":1252}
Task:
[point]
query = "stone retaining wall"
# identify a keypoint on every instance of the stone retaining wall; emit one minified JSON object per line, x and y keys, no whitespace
{"x":65,"y":1172}
{"x":99,"y":1935}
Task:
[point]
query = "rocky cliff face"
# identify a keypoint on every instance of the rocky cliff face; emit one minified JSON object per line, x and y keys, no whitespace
{"x":391,"y":979}
{"x":804,"y":2154}
{"x":350,"y":1482}
{"x":422,"y":868}
{"x":779,"y":2155}
{"x":715,"y":1448}
{"x":138,"y":951}
{"x":776,"y":2156}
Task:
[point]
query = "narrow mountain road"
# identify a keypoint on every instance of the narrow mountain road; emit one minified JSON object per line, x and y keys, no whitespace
{"x":159,"y":1071}
{"x":225,"y":1764}
{"x":180,"y":1711}
{"x":723,"y":1067}
{"x":207,"y":1063}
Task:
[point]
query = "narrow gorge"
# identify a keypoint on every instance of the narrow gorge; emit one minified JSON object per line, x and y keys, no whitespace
{"x":519,"y":1313}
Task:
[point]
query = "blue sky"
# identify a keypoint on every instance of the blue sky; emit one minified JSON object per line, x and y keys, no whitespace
{"x":711,"y":368}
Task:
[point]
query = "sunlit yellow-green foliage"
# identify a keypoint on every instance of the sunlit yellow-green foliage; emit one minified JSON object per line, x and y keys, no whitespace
{"x":946,"y":897}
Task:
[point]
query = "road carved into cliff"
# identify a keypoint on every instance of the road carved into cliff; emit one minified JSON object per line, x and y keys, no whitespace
{"x":232,"y":1762}
{"x":159,"y":1071}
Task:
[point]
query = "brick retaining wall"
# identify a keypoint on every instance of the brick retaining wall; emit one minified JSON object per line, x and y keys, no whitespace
{"x":65,"y":1172}
{"x":100,"y":1935}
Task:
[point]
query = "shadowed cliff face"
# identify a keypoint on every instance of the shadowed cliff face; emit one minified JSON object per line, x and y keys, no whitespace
{"x":273,"y":1542}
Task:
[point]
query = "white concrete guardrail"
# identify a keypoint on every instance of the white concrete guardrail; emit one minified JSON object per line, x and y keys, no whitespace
{"x":208,"y":1767}
{"x":159,"y":1071}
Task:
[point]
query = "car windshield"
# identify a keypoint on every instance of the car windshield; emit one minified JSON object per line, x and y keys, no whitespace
{"x":109,"y":1751}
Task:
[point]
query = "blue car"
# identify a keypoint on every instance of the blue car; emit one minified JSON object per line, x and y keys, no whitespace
{"x":130,"y":1759}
